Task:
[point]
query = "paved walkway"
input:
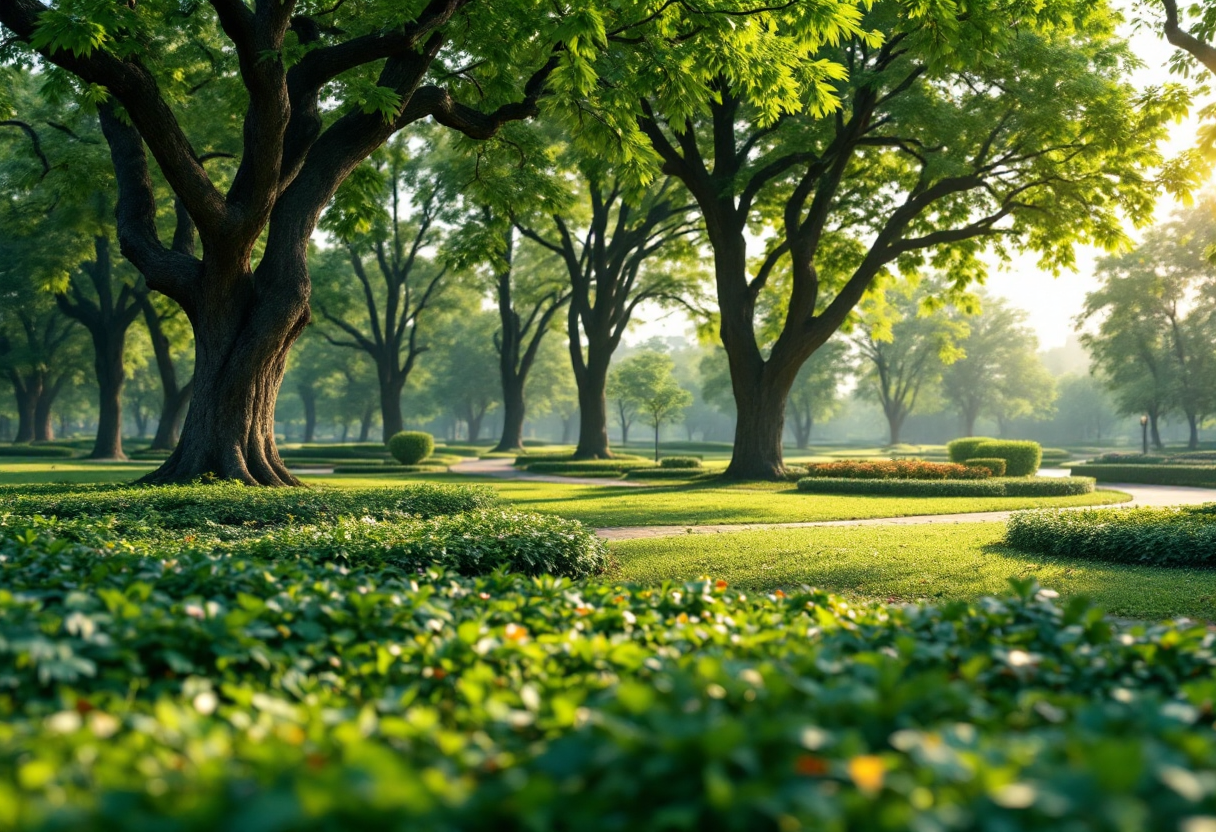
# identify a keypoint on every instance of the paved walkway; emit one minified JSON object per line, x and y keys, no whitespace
{"x":503,"y":469}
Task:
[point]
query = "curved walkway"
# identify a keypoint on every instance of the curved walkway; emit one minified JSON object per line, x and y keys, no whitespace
{"x":1142,"y":495}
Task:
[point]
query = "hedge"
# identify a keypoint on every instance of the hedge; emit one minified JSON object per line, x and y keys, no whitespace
{"x":900,"y":469}
{"x":1055,"y":456}
{"x":409,"y":447}
{"x":1183,"y":536}
{"x":228,"y":504}
{"x":204,"y":693}
{"x":1194,"y":475}
{"x":1022,"y":459}
{"x":961,"y":450}
{"x":990,"y":487}
{"x":40,"y":451}
{"x":680,"y":462}
{"x":994,"y":467}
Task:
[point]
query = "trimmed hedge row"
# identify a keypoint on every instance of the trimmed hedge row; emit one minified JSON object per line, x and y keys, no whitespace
{"x":989,"y":487}
{"x":37,"y":451}
{"x":228,"y":504}
{"x":1194,"y":475}
{"x":204,"y":693}
{"x":680,"y":462}
{"x":1183,"y":536}
{"x":961,"y":450}
{"x":898,"y":469}
{"x":994,"y":467}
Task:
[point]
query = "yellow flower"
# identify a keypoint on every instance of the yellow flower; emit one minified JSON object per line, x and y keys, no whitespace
{"x":867,"y":772}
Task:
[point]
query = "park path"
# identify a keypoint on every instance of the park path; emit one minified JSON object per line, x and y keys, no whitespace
{"x":1142,"y":495}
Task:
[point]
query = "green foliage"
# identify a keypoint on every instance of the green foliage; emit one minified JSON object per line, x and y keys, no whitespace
{"x":985,"y":487}
{"x":1181,"y":536}
{"x":409,"y":447}
{"x":680,"y":462}
{"x":1054,"y":456}
{"x":995,"y":467}
{"x":894,"y":469}
{"x":37,"y":450}
{"x":208,"y":506}
{"x":1022,"y":458}
{"x":1150,"y":474}
{"x":150,"y":693}
{"x":961,"y":450}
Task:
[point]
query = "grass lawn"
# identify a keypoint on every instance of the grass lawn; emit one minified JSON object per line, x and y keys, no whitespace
{"x":697,"y":505}
{"x":905,"y":563}
{"x":71,"y":470}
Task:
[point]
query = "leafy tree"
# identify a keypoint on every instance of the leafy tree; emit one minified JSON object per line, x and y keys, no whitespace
{"x":1000,"y":374}
{"x":903,"y":350}
{"x":815,"y":394}
{"x":1154,"y":344}
{"x":171,"y":347}
{"x":645,"y":379}
{"x":316,"y":88}
{"x":618,"y":391}
{"x":610,"y":255}
{"x":390,"y":243}
{"x":314,"y":374}
{"x":1012,"y":126}
{"x":465,"y":380}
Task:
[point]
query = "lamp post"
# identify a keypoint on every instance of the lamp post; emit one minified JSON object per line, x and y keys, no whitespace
{"x":1144,"y":433}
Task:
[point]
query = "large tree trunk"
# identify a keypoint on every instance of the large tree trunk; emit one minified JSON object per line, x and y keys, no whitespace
{"x":6,"y":428}
{"x":593,"y":406}
{"x":27,"y":402}
{"x":308,"y":397}
{"x":895,"y":424}
{"x":474,"y":423}
{"x":968,"y":422}
{"x":514,"y":410}
{"x":107,"y":354}
{"x":1155,"y":430}
{"x":391,"y":418}
{"x":44,"y":428}
{"x":365,"y":422}
{"x":1192,"y":442}
{"x":760,"y":424}
{"x":174,"y":399}
{"x":241,"y":347}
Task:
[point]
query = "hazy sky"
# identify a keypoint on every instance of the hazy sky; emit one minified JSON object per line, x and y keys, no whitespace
{"x":1052,"y":302}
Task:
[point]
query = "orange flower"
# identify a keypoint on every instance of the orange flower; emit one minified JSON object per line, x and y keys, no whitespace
{"x":867,"y":772}
{"x":584,"y":610}
{"x":514,"y":632}
{"x":720,"y":584}
{"x":485,"y":596}
{"x":809,"y":766}
{"x":620,"y":599}
{"x":779,"y":594}
{"x":682,"y":618}
{"x":438,"y":673}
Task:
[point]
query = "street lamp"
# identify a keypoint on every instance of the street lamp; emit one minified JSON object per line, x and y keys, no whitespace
{"x":1144,"y":433}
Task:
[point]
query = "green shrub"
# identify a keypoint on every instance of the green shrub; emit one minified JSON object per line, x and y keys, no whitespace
{"x":989,"y":487}
{"x":36,"y":451}
{"x":680,"y":462}
{"x":995,"y":467}
{"x":1193,"y":475}
{"x":1055,"y":456}
{"x":961,"y":450}
{"x":1022,"y":458}
{"x":205,"y":692}
{"x":1183,"y":536}
{"x":227,"y":504}
{"x":474,"y":543}
{"x":1124,"y":458}
{"x":409,"y":447}
{"x":898,"y":469}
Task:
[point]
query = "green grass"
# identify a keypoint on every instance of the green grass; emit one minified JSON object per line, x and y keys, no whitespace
{"x":905,"y":563}
{"x":674,"y":505}
{"x":699,"y":505}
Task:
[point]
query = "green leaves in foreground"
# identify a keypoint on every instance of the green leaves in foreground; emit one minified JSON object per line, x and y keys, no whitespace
{"x":206,"y":692}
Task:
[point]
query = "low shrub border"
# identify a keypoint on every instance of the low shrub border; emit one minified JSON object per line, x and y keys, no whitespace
{"x":37,"y":451}
{"x":989,"y":487}
{"x":899,"y":469}
{"x":205,"y":692}
{"x":1194,"y":475}
{"x":680,"y":462}
{"x":995,"y":467}
{"x":1182,"y":536}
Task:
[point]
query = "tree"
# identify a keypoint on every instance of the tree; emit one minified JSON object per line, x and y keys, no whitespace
{"x":611,"y":271}
{"x":815,"y":394}
{"x":903,"y":351}
{"x":619,"y":391}
{"x":391,"y":244}
{"x":465,"y":381}
{"x":1010,"y":127}
{"x":1000,"y":374}
{"x":317,"y":88}
{"x":1153,"y":346}
{"x":170,"y":337}
{"x":645,"y":379}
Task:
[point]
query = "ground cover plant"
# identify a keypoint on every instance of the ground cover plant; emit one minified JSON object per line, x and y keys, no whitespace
{"x":900,"y":469}
{"x":935,"y":562}
{"x":985,"y":486}
{"x":1176,"y":536}
{"x":207,"y":692}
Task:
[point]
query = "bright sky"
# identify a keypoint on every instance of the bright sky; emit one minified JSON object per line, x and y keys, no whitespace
{"x":1052,"y":302}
